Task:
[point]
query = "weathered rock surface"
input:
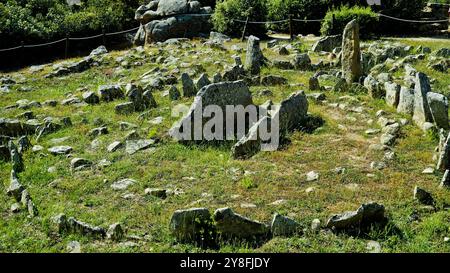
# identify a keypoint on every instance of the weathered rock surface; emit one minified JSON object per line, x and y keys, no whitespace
{"x":392,"y":94}
{"x":60,"y":150}
{"x":438,"y":104}
{"x":292,"y":112}
{"x":284,"y":226}
{"x":422,"y":111}
{"x":327,"y":43}
{"x":134,"y":146}
{"x":254,"y":58}
{"x":190,"y":224}
{"x":218,"y":94}
{"x":406,"y":101}
{"x":423,"y":196}
{"x":15,"y":187}
{"x":351,"y":53}
{"x":366,"y":215}
{"x":232,"y":225}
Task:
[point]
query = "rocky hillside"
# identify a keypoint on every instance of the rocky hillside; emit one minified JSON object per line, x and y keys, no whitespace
{"x":88,"y":162}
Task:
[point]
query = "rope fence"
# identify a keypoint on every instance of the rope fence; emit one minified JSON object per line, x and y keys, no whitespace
{"x":246,"y":22}
{"x":70,"y":39}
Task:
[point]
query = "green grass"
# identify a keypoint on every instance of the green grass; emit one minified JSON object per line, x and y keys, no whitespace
{"x":209,"y":177}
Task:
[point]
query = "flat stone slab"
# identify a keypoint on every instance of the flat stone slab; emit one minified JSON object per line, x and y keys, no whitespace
{"x":60,"y":150}
{"x":123,"y":184}
{"x":134,"y":146}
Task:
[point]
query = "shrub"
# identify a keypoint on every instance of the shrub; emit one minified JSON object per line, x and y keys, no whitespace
{"x":367,"y":19}
{"x":36,"y":21}
{"x":406,"y":9}
{"x":227,"y":10}
{"x":302,"y":9}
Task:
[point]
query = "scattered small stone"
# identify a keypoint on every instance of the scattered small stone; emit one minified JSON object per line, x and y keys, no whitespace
{"x":73,"y":247}
{"x":123,"y":184}
{"x":428,"y":170}
{"x":159,"y":193}
{"x":423,"y":196}
{"x":115,"y":232}
{"x":15,"y":208}
{"x":373,"y":247}
{"x":134,"y":146}
{"x":60,"y":150}
{"x":315,"y":225}
{"x":312,"y":176}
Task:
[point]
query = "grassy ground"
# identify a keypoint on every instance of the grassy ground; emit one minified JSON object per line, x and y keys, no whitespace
{"x":210,"y":178}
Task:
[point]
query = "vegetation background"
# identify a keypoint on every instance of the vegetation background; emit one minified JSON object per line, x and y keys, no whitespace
{"x":37,"y":21}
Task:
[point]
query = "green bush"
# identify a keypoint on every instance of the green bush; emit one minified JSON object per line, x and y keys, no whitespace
{"x":367,"y":19}
{"x":38,"y":21}
{"x":302,"y":9}
{"x":406,"y":9}
{"x":227,"y":10}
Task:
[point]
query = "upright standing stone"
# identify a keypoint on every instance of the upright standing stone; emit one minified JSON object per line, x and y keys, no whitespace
{"x":351,"y":53}
{"x":392,"y":93}
{"x":254,"y":58}
{"x":444,"y":157}
{"x":439,"y":109}
{"x":422,"y":111}
{"x":406,"y":101}
{"x":188,"y":85}
{"x":16,"y":158}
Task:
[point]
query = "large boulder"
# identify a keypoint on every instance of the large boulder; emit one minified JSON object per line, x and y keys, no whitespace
{"x":327,"y":43}
{"x":422,"y":111}
{"x":168,"y":19}
{"x":215,"y":95}
{"x":171,"y":7}
{"x":351,"y":53}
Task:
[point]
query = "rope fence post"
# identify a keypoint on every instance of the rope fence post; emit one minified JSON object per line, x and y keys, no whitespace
{"x":245,"y":29}
{"x":66,"y":51}
{"x":291,"y":34}
{"x":104,"y":36}
{"x":22,"y":52}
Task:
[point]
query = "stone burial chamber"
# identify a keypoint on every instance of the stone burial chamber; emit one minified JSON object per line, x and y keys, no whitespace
{"x":225,"y":112}
{"x":165,"y":19}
